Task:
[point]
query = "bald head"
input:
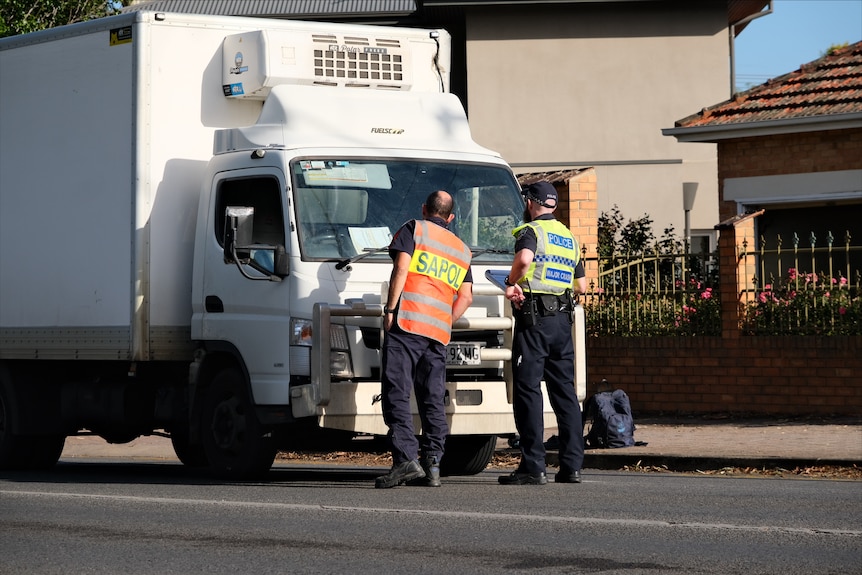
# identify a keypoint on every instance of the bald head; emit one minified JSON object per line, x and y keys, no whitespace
{"x":439,"y":204}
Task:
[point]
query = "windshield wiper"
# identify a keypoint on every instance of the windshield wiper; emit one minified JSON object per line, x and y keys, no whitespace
{"x":481,"y":251}
{"x":345,"y":263}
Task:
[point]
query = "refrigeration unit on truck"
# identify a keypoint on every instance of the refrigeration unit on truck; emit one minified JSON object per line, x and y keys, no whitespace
{"x":194,"y":220}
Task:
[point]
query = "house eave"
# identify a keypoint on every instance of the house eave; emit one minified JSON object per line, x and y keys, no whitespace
{"x":762,"y":128}
{"x":493,"y":3}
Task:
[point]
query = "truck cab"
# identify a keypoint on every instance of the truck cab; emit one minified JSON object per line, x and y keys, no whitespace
{"x":292,"y":256}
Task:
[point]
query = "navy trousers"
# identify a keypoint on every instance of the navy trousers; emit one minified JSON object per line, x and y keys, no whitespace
{"x":417,"y":363}
{"x":545,"y":350}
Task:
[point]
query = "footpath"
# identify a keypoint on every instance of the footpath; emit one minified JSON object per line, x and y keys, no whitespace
{"x":671,"y":442}
{"x":700,"y":443}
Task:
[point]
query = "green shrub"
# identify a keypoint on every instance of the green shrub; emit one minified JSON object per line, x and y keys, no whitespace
{"x":650,"y":287}
{"x":692,"y":311}
{"x":805,"y":304}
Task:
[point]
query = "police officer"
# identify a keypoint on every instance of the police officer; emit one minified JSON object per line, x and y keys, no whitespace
{"x":430,"y":287}
{"x":545,"y":275}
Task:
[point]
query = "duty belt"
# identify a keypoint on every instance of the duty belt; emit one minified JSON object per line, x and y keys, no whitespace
{"x":538,"y":305}
{"x":548,"y":304}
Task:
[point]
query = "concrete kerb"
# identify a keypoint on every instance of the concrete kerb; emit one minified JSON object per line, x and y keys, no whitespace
{"x":607,"y":461}
{"x":678,"y":444}
{"x":709,"y":443}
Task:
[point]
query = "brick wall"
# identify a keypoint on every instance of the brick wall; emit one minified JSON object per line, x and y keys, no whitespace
{"x":790,"y":375}
{"x":800,"y":375}
{"x":733,"y":373}
{"x":734,"y":270}
{"x":786,"y":154}
{"x":581,"y":213}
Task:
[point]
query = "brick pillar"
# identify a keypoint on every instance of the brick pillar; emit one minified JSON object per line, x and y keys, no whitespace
{"x":579,"y":210}
{"x":735,"y":271}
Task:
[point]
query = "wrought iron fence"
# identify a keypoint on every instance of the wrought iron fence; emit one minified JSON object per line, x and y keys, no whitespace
{"x":654,"y":294}
{"x":812,"y":287}
{"x":801,"y":289}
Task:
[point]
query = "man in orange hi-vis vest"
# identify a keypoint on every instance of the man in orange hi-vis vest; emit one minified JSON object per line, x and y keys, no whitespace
{"x":430,"y":287}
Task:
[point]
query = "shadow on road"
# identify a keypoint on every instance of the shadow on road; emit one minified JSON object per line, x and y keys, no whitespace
{"x":170,"y":473}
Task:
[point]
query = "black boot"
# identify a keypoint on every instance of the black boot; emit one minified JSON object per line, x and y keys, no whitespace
{"x":565,"y":476}
{"x":401,"y":473}
{"x":431,"y":467}
{"x":523,"y":478}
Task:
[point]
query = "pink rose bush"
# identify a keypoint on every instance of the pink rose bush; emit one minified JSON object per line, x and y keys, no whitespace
{"x":806,"y":304}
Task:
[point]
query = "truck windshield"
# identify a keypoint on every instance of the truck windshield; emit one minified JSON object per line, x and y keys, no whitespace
{"x":351,"y":207}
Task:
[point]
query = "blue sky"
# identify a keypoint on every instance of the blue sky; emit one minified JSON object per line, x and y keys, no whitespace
{"x":797,"y":32}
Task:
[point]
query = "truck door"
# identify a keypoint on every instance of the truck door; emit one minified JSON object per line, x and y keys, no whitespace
{"x":247,"y":311}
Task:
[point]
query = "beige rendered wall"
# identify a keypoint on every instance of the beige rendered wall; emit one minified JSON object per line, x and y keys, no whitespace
{"x":560,"y":87}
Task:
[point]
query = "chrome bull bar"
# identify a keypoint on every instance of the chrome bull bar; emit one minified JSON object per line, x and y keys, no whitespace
{"x":305,"y":399}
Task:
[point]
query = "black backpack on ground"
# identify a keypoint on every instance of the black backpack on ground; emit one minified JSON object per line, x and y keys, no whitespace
{"x":610,"y":415}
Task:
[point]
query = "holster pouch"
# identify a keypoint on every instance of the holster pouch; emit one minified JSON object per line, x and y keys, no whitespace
{"x":548,"y":303}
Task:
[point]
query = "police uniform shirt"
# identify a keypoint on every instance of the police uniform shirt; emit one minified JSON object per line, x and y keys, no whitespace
{"x":526,"y":239}
{"x":403,"y":241}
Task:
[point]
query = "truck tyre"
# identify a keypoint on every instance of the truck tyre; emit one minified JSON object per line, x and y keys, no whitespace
{"x":8,"y":442}
{"x":25,"y":452}
{"x":41,"y":452}
{"x":467,"y":454}
{"x":190,"y":455}
{"x":235,"y":442}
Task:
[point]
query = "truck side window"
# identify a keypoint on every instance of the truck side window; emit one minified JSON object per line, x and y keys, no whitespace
{"x":261,"y":193}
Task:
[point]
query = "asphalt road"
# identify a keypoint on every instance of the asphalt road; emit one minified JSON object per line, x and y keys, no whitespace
{"x":130,"y":518}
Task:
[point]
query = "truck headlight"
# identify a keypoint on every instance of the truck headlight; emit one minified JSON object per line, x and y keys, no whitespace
{"x":339,"y":356}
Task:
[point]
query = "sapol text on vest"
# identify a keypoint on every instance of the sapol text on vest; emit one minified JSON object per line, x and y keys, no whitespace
{"x":439,"y":268}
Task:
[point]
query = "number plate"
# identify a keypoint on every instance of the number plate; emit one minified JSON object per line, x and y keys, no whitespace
{"x":463,"y":353}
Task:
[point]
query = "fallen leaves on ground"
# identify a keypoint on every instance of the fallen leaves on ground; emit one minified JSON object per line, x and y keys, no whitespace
{"x":503,"y":460}
{"x":816,"y":472}
{"x":360,"y":458}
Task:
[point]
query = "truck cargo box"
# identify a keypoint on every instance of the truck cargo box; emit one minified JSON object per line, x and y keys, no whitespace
{"x":106,"y":130}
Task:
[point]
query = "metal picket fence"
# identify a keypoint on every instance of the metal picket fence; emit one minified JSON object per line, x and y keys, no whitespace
{"x":654,"y":294}
{"x":810,"y":287}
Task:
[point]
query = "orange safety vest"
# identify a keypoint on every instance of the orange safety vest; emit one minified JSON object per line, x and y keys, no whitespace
{"x":437,"y":269}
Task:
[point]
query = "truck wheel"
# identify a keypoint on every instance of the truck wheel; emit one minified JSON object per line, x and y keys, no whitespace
{"x":25,"y":452}
{"x":8,"y":442}
{"x":41,"y":452}
{"x":235,"y":442}
{"x":467,"y":454}
{"x":191,"y":455}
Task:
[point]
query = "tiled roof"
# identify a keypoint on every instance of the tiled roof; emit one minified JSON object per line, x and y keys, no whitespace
{"x":824,"y":88}
{"x":553,"y":177}
{"x":278,"y":8}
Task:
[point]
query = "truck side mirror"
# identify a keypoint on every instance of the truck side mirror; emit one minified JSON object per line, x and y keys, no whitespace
{"x":270,"y":260}
{"x":238,"y":247}
{"x":281,"y":261}
{"x":238,"y":231}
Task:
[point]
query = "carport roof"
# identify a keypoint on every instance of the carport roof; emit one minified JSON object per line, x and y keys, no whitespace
{"x":737,"y":10}
{"x":279,"y":8}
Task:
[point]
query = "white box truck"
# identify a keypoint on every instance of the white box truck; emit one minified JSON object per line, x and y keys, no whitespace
{"x":194,"y":215}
